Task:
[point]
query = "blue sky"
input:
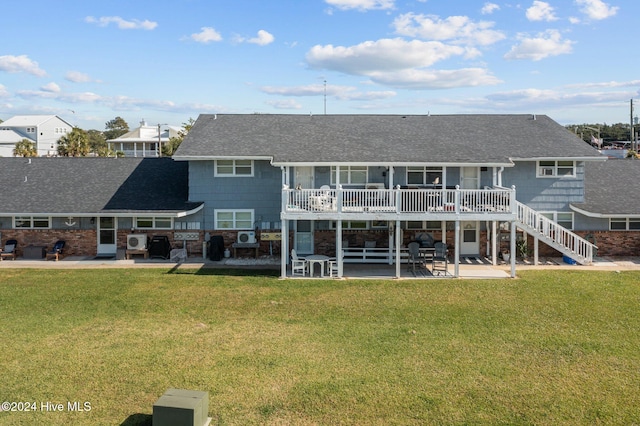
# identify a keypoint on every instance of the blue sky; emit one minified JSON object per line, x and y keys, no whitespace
{"x":89,"y":61}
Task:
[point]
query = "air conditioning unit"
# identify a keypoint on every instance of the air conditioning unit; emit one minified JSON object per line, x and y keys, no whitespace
{"x":248,"y":237}
{"x":136,"y":242}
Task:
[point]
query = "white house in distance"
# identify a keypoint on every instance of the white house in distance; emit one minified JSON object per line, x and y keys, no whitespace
{"x":144,"y":141}
{"x":43,"y":130}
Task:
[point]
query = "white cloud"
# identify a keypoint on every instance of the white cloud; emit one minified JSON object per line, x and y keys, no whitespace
{"x":436,"y":79}
{"x":596,"y":9}
{"x":489,"y":8}
{"x":362,"y":5}
{"x":51,"y":87}
{"x":339,"y":92}
{"x":133,"y":24}
{"x":381,"y":55}
{"x":4,"y":93}
{"x":459,"y":29}
{"x":284,"y":104}
{"x":22,"y":63}
{"x":77,"y":77}
{"x":206,"y":35}
{"x":541,"y":11}
{"x":549,"y":43}
{"x":262,"y":39}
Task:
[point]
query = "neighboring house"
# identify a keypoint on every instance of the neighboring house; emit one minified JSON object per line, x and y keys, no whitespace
{"x":92,"y":203}
{"x":144,"y":141}
{"x":43,"y":130}
{"x":334,"y":184}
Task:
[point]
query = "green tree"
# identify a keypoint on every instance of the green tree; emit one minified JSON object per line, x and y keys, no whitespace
{"x":25,"y":148}
{"x":74,"y":144}
{"x":115,"y":128}
{"x":98,"y":143}
{"x":170,"y":147}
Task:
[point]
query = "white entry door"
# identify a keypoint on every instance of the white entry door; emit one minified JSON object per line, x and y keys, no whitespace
{"x":107,"y":240}
{"x":304,"y":177}
{"x":470,"y":239}
{"x":470,"y":178}
{"x":303,"y":240}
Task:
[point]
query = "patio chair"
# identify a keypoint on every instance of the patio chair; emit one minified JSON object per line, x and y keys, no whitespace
{"x":9,"y":250}
{"x":332,"y":266}
{"x":415,"y":257}
{"x":299,"y":265}
{"x":439,"y":261}
{"x":56,"y":250}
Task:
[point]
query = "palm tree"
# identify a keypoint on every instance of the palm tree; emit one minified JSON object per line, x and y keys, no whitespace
{"x":25,"y":148}
{"x":74,"y":144}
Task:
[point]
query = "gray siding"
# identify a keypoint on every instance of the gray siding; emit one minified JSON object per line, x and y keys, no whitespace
{"x":261,"y":192}
{"x":544,"y":194}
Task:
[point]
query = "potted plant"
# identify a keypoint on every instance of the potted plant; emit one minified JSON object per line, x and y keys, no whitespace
{"x":506,"y":256}
{"x":522,"y":249}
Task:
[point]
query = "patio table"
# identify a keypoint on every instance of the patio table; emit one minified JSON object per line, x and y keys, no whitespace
{"x":319,"y":259}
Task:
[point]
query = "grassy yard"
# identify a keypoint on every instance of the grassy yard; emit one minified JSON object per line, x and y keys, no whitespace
{"x":548,"y":348}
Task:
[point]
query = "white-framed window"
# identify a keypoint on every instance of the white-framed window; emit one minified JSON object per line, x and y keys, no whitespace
{"x":624,"y":224}
{"x":564,"y":219}
{"x":32,"y":222}
{"x":234,"y":168}
{"x":350,"y":175}
{"x":153,"y":222}
{"x":31,"y":129}
{"x":234,"y":219}
{"x":428,"y":225}
{"x":424,"y":175}
{"x":552,"y":168}
{"x":351,"y":224}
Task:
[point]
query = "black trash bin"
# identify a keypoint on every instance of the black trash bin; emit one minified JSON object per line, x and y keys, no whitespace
{"x":215,"y":247}
{"x":160,"y":247}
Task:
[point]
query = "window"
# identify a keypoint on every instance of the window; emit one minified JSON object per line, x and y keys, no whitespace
{"x":234,"y":219}
{"x":429,"y":225}
{"x":550,"y":168}
{"x":563,"y":219}
{"x":154,"y":222}
{"x":234,"y":168}
{"x":351,"y":224}
{"x":350,"y":175}
{"x":38,"y":222}
{"x":624,"y":224}
{"x":417,"y":175}
{"x":31,"y":129}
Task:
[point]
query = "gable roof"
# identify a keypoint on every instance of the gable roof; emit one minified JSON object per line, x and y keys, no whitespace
{"x":609,"y":189}
{"x":146,"y":133}
{"x":93,"y":186}
{"x":377,"y":139}
{"x":29,"y":120}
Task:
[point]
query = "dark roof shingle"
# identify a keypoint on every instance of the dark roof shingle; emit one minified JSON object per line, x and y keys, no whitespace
{"x":330,"y":139}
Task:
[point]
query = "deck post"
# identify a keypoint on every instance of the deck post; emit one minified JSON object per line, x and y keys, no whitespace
{"x":284,"y":253}
{"x":456,"y":256}
{"x":513,"y":249}
{"x":398,"y":236}
{"x":339,"y":256}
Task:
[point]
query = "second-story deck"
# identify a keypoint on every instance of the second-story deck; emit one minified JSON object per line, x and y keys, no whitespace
{"x":399,"y":204}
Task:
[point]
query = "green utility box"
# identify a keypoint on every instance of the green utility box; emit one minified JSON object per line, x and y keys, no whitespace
{"x":179,"y":407}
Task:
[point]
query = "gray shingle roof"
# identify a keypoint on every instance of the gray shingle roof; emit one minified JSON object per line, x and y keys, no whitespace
{"x":93,"y":185}
{"x":330,"y":139}
{"x":610,"y":188}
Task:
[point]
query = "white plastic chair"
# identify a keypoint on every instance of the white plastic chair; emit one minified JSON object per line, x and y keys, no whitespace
{"x":299,"y":265}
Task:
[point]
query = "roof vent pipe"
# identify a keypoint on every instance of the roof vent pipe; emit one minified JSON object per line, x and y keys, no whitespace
{"x":534,"y":116}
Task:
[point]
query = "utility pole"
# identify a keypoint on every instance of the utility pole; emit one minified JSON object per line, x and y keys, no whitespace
{"x":631,"y":138}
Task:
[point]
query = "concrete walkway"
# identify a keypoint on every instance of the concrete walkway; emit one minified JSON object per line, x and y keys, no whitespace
{"x":469,"y":268}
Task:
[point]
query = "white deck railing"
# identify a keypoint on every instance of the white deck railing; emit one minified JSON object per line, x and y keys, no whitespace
{"x":398,"y":200}
{"x":554,"y":235}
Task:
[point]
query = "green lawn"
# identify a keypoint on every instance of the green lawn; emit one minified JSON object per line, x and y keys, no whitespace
{"x":548,"y":348}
